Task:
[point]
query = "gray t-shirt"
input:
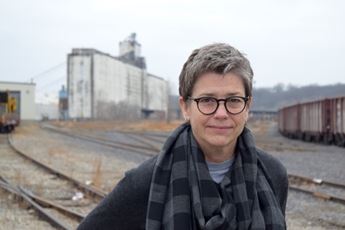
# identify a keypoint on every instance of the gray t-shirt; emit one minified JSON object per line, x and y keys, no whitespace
{"x":218,"y":170}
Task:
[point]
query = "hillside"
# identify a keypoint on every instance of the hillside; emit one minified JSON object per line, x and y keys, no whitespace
{"x":279,"y":96}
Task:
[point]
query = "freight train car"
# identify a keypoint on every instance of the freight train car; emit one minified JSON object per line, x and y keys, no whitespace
{"x":9,"y":119}
{"x":317,"y":121}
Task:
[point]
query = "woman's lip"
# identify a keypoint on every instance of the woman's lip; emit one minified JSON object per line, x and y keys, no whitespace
{"x":219,"y":127}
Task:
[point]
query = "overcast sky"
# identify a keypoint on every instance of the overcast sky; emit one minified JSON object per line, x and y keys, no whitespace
{"x":295,"y":42}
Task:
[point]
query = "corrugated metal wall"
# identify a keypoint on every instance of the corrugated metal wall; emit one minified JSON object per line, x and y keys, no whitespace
{"x":79,"y":86}
{"x":157,"y":93}
{"x":117,"y":88}
{"x":101,"y":86}
{"x":311,"y":117}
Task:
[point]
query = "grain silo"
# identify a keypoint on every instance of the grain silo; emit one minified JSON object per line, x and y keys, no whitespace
{"x":103,"y":86}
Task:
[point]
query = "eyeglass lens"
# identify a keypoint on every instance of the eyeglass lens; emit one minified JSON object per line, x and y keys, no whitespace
{"x":209,"y":105}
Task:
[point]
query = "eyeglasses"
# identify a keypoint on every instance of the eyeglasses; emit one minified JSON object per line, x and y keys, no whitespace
{"x":209,"y":105}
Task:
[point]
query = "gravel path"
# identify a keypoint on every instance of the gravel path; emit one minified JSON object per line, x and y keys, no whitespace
{"x":311,"y":160}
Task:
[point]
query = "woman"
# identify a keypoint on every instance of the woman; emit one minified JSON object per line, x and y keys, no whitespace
{"x":209,"y":174}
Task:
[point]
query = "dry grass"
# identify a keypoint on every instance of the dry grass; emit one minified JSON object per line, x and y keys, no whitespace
{"x":259,"y":127}
{"x":97,"y":176}
{"x":56,"y":152}
{"x":19,"y":177}
{"x":26,"y":128}
{"x":140,"y":125}
{"x":39,"y":188}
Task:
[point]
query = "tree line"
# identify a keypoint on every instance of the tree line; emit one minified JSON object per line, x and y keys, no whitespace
{"x":273,"y":98}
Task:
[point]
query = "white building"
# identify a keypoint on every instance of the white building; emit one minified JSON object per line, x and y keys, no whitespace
{"x":25,"y":98}
{"x":103,"y":86}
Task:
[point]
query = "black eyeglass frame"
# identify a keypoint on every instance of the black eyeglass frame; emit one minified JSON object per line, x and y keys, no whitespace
{"x":197,"y":100}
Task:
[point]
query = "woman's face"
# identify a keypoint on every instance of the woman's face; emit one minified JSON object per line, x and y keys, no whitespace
{"x":220,"y":130}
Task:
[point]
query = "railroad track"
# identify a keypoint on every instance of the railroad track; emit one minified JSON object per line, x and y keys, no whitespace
{"x":41,"y":204}
{"x":319,"y":188}
{"x":86,"y":188}
{"x":145,"y":148}
{"x":145,"y":139}
{"x":157,"y":138}
{"x":316,"y":187}
{"x":326,"y":190}
{"x":52,"y":192}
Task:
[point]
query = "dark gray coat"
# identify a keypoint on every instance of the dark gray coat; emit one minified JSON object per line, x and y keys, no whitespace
{"x":125,"y":207}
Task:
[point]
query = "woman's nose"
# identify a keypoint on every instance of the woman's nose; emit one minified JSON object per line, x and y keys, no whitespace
{"x":221,"y":111}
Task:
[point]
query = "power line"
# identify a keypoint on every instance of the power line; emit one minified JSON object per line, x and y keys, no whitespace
{"x":47,"y":71}
{"x":50,"y":84}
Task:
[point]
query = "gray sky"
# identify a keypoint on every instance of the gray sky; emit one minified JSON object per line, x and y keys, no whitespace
{"x":296,"y":42}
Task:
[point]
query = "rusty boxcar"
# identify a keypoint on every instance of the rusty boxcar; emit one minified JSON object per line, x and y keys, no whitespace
{"x":317,"y":121}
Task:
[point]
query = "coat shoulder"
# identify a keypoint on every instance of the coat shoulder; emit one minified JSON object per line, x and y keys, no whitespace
{"x":128,"y":199}
{"x":272,"y":164}
{"x":277,"y":176}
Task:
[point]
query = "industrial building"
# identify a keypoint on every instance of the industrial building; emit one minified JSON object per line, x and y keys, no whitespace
{"x":24,"y":94}
{"x":103,"y":86}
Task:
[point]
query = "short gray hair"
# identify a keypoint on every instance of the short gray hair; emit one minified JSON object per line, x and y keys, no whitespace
{"x":215,"y":58}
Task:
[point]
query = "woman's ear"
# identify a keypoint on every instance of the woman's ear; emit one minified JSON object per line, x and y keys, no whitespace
{"x":184,"y":108}
{"x":249,"y":102}
{"x":248,"y":106}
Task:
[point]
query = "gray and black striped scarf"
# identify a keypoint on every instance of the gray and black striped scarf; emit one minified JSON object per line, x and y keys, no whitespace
{"x":184,"y":196}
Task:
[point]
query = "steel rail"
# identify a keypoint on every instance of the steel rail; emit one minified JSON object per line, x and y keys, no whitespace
{"x":146,"y":135}
{"x":318,"y":194}
{"x":48,"y":203}
{"x":160,"y":140}
{"x":142,"y":132}
{"x":140,"y":138}
{"x":120,"y":145}
{"x":86,"y":188}
{"x":43,"y":213}
{"x":318,"y":181}
{"x":116,"y":143}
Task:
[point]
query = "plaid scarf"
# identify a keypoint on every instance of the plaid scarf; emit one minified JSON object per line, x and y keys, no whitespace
{"x":184,"y":196}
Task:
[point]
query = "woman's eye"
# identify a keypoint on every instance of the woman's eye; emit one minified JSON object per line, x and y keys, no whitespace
{"x":234,"y":100}
{"x":206,"y":100}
